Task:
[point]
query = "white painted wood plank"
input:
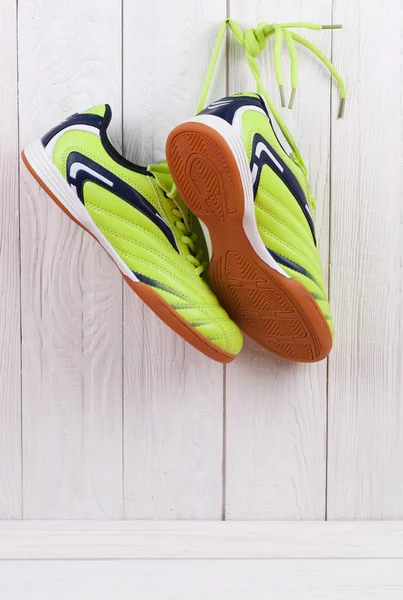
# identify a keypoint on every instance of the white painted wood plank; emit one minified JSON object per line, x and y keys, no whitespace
{"x":276,"y":410}
{"x":102,"y":540}
{"x":10,"y":367}
{"x":173,"y":398}
{"x":69,"y":59}
{"x":366,"y":377}
{"x":197,"y":580}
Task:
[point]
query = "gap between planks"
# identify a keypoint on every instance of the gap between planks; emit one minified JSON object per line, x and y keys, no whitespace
{"x":94,"y":540}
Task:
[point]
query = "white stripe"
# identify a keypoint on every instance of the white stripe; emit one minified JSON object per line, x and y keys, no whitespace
{"x":255,"y":170}
{"x":218,"y":104}
{"x":50,"y":147}
{"x":77,"y":166}
{"x":261,"y":147}
{"x":223,"y":101}
{"x":162,"y":219}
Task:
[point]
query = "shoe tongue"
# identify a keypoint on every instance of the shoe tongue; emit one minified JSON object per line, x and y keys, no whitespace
{"x":164,"y":178}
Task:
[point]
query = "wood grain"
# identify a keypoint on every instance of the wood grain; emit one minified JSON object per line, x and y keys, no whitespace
{"x":365,"y":376}
{"x":276,"y":410}
{"x":69,"y":59}
{"x":190,"y":540}
{"x":10,"y":334}
{"x":129,"y":422}
{"x":373,"y":579}
{"x":173,"y":397}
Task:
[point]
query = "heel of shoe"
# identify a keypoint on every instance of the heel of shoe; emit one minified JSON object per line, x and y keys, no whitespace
{"x":206,"y":173}
{"x":42,"y":168}
{"x":40,"y":165}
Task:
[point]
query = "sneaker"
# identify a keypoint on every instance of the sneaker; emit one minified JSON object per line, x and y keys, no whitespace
{"x":137,"y":217}
{"x":256,"y":206}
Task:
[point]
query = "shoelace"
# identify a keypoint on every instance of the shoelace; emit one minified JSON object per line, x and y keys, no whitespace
{"x":253,"y":42}
{"x":165,"y":182}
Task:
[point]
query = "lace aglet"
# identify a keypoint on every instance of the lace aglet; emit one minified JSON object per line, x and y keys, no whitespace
{"x":282,"y":95}
{"x":292,"y":98}
{"x":332,"y":26}
{"x":342,"y":108}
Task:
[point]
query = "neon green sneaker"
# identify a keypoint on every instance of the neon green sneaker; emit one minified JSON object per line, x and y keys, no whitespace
{"x":138,"y":218}
{"x":255,"y":202}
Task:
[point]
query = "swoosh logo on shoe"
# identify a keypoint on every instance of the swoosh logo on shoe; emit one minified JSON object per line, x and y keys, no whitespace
{"x":264,"y":154}
{"x":81,"y":169}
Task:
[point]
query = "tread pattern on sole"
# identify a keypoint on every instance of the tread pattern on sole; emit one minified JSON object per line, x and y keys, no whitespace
{"x":206,"y":180}
{"x":277,"y":312}
{"x":264,"y":308}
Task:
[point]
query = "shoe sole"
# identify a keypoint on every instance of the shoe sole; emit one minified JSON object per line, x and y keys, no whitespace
{"x":211,"y":171}
{"x":44,"y":171}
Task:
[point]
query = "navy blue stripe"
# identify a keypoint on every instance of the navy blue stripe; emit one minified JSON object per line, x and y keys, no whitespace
{"x":286,"y":262}
{"x":77,"y":119}
{"x":286,"y":175}
{"x":154,"y":283}
{"x":225,"y":108}
{"x":145,"y":279}
{"x":119,"y":187}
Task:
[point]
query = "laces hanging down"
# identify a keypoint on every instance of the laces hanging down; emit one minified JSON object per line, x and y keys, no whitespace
{"x":253,"y":42}
{"x":165,"y":181}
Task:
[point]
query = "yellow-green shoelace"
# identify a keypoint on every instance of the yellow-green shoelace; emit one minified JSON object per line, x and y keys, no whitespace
{"x":188,"y":238}
{"x":253,"y":42}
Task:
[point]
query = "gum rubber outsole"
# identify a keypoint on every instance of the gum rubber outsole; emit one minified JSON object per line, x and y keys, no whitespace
{"x":277,"y":312}
{"x":157,"y":304}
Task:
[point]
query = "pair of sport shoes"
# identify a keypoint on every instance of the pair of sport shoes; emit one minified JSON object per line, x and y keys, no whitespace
{"x":226,"y":167}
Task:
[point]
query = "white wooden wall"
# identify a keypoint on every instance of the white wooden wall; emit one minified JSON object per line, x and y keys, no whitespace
{"x":104,"y":413}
